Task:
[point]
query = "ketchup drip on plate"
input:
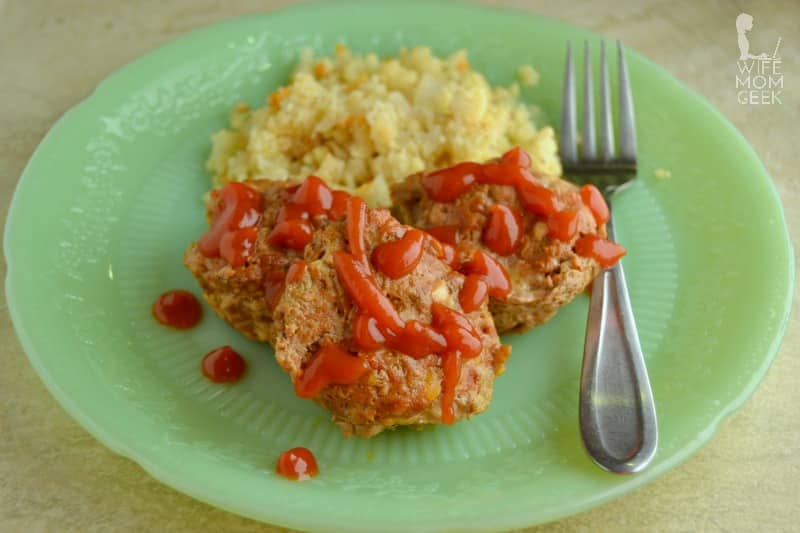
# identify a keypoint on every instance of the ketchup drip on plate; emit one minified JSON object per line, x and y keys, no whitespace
{"x":223,"y":365}
{"x":298,"y":464}
{"x":177,"y":309}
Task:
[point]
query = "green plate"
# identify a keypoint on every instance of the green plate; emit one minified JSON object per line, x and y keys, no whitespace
{"x":111,"y":197}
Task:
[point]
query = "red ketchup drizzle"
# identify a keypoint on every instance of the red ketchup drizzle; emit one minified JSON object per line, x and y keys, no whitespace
{"x":398,"y":258}
{"x":339,"y":205}
{"x":463,"y":342}
{"x":495,"y":275}
{"x":223,"y":365}
{"x":417,"y":340}
{"x":444,"y":240}
{"x":605,"y":252}
{"x":331,"y":364}
{"x":293,"y":228}
{"x":298,"y":464}
{"x":361,"y":287}
{"x":356,"y":212}
{"x":502,"y":233}
{"x":594,"y":200}
{"x":177,"y":309}
{"x":236,"y":212}
{"x":378,"y":324}
{"x":473,"y":293}
{"x":366,"y":333}
{"x":447,"y":184}
{"x":445,"y":234}
{"x":236,"y":246}
{"x":563,"y":225}
{"x":314,"y":196}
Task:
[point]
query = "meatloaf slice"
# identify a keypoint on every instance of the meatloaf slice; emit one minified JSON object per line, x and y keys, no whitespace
{"x":240,"y":294}
{"x":397,"y":389}
{"x":546,"y":273}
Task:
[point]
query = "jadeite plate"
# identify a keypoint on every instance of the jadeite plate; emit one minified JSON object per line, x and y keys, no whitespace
{"x":111,"y":198}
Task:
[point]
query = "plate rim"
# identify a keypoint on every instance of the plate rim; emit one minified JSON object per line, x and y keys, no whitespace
{"x":174,"y":477}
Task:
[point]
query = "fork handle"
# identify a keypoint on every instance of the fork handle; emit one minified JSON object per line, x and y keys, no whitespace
{"x":617,"y":413}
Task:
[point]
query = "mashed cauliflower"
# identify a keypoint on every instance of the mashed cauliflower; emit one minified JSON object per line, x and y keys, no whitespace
{"x":362,"y":123}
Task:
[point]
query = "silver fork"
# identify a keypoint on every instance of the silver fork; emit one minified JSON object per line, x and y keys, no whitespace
{"x":617,"y":413}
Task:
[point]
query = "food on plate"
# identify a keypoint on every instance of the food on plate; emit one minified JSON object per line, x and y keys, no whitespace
{"x":223,"y":365}
{"x":526,"y":241}
{"x":363,"y":311}
{"x":363,"y":123}
{"x":298,"y":464}
{"x":240,"y":273}
{"x":177,"y":309}
{"x":388,"y":322}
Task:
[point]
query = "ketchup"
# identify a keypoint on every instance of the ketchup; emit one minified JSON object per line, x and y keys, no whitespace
{"x":367,"y":334}
{"x":502,"y":233}
{"x":563,"y":225}
{"x":177,"y":309}
{"x":339,"y":205}
{"x":356,"y":211}
{"x":236,"y":246}
{"x":605,"y":252}
{"x":447,"y":184}
{"x":293,"y":234}
{"x":398,"y":258}
{"x":377,"y":323}
{"x":463,"y":341}
{"x":493,"y":273}
{"x":294,"y":228}
{"x":444,"y":240}
{"x":236,"y":212}
{"x":223,"y":365}
{"x":445,"y":234}
{"x":314,"y":195}
{"x":473,"y":293}
{"x":331,"y":364}
{"x":361,"y":287}
{"x":593,"y":199}
{"x":298,"y":464}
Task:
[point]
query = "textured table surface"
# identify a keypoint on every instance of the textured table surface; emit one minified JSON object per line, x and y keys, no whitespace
{"x":55,"y":477}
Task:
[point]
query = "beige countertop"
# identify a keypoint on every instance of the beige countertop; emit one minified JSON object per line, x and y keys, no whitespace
{"x":55,"y":477}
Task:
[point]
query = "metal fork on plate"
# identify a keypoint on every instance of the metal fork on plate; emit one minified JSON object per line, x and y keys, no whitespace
{"x":617,"y":413}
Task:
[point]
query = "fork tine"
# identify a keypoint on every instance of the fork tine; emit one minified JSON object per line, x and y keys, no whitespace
{"x":627,"y":122}
{"x":606,"y":124}
{"x":589,"y":146}
{"x":569,"y":149}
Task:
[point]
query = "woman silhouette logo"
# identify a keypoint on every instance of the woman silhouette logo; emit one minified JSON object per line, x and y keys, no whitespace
{"x":744,"y":23}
